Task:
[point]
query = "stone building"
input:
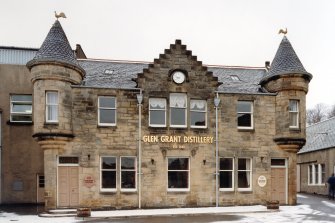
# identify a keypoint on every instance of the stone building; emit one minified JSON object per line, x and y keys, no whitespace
{"x":316,"y":160}
{"x":171,"y":133}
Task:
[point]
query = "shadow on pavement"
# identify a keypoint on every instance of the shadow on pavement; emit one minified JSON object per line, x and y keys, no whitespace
{"x":22,"y":209}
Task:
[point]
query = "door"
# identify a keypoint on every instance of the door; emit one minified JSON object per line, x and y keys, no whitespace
{"x":278,"y":180}
{"x":40,"y":189}
{"x":68,"y":186}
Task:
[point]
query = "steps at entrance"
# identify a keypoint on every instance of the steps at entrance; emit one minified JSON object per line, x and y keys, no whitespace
{"x":59,"y":213}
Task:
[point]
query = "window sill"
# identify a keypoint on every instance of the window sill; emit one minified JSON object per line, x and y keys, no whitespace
{"x":245,"y":190}
{"x":128,"y":191}
{"x":178,"y":190}
{"x":19,"y":123}
{"x":245,"y":129}
{"x":106,"y":126}
{"x":294,"y":129}
{"x":228,"y":190}
{"x":50,"y":123}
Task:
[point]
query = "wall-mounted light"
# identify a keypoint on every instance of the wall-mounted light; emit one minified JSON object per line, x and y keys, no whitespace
{"x":152,"y":161}
{"x":89,"y":156}
{"x":204,"y":162}
{"x":216,"y":101}
{"x":139,"y":98}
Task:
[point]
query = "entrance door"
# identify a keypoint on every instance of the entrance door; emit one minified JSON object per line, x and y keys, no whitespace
{"x":278,"y":180}
{"x":68,"y":186}
{"x":40,"y":189}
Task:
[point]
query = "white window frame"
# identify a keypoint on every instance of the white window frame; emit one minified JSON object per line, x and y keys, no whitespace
{"x":49,"y":105}
{"x":26,"y":113}
{"x":251,"y":114}
{"x":294,"y":112}
{"x":173,"y":106}
{"x":232,"y":175}
{"x":316,"y":174}
{"x":111,"y":170}
{"x":135,"y":175}
{"x":157,"y":109}
{"x":188,"y":176}
{"x":198,"y":111}
{"x":250,"y":171}
{"x":107,"y":108}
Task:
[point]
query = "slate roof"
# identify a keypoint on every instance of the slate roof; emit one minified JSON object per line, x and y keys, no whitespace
{"x":120,"y":74}
{"x":320,"y":136}
{"x":55,"y":48}
{"x":285,"y":61}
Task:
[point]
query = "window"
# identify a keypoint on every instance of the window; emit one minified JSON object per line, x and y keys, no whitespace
{"x":128,"y":173}
{"x":157,"y":112}
{"x":316,"y":174}
{"x":107,"y":111}
{"x":51,"y":106}
{"x":21,"y":108}
{"x":178,"y":174}
{"x":244,"y":115}
{"x":226,"y":174}
{"x":198,"y":113}
{"x":178,"y":103}
{"x":41,"y":181}
{"x":108,"y":173}
{"x":244,"y":174}
{"x":294,"y":113}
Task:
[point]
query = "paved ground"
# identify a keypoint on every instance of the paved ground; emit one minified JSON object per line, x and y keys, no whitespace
{"x":310,"y":209}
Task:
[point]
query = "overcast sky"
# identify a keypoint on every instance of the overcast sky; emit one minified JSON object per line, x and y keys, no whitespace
{"x":219,"y":32}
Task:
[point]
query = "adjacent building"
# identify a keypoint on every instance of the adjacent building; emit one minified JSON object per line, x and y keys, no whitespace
{"x":170,"y":133}
{"x":316,"y":160}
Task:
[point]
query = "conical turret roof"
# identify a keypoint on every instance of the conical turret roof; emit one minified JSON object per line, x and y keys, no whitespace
{"x":285,"y":61}
{"x":56,"y":49}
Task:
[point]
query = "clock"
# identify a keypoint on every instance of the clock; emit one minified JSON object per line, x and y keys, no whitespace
{"x":178,"y":77}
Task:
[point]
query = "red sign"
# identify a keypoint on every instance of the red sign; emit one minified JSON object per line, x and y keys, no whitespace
{"x":89,"y":181}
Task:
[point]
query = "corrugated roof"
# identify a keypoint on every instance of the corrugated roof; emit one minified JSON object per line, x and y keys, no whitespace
{"x":56,"y":48}
{"x":320,"y":136}
{"x":285,"y":61}
{"x":16,"y":55}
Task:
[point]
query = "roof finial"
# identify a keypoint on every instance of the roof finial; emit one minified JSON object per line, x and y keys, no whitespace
{"x":60,"y":15}
{"x":283,"y":31}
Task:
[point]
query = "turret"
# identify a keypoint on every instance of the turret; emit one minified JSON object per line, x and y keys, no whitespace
{"x":288,"y":78}
{"x":54,"y":69}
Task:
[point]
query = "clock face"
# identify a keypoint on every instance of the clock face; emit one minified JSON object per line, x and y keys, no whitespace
{"x":178,"y":77}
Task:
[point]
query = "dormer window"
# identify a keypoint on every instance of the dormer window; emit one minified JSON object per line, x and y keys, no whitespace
{"x":234,"y":78}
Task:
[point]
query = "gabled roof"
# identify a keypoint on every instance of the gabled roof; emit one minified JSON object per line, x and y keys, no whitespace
{"x":285,"y":61}
{"x":121,"y":74}
{"x":56,"y":49}
{"x":320,"y":136}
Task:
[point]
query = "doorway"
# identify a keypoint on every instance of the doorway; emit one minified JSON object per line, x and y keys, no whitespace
{"x":279,"y":180}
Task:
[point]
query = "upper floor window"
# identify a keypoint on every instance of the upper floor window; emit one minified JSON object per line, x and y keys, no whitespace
{"x":108,"y":173}
{"x":178,"y":174}
{"x":178,"y":108}
{"x":51,"y":106}
{"x":244,"y":174}
{"x":226,"y":174}
{"x":157,"y":112}
{"x":294,"y":113}
{"x":21,"y":108}
{"x":245,"y":114}
{"x":198,"y":113}
{"x":107,"y":111}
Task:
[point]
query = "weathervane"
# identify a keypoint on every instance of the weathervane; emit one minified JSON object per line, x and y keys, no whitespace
{"x":60,"y":15}
{"x":283,"y":31}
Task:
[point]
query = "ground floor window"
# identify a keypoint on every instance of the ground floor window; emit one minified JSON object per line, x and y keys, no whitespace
{"x":128,"y":173}
{"x":226,"y":174}
{"x":244,"y":174}
{"x":178,"y":174}
{"x":316,"y":174}
{"x":108,"y":173}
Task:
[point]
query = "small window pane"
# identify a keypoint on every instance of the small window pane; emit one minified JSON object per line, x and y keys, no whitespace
{"x":107,"y":116}
{"x":178,"y":164}
{"x":128,"y":180}
{"x":108,"y":179}
{"x":22,"y":98}
{"x":244,"y":120}
{"x":277,"y":162}
{"x":178,"y":180}
{"x":107,"y":102}
{"x":108,"y":163}
{"x":226,"y":164}
{"x":226,"y":179}
{"x":68,"y":160}
{"x":128,"y":163}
